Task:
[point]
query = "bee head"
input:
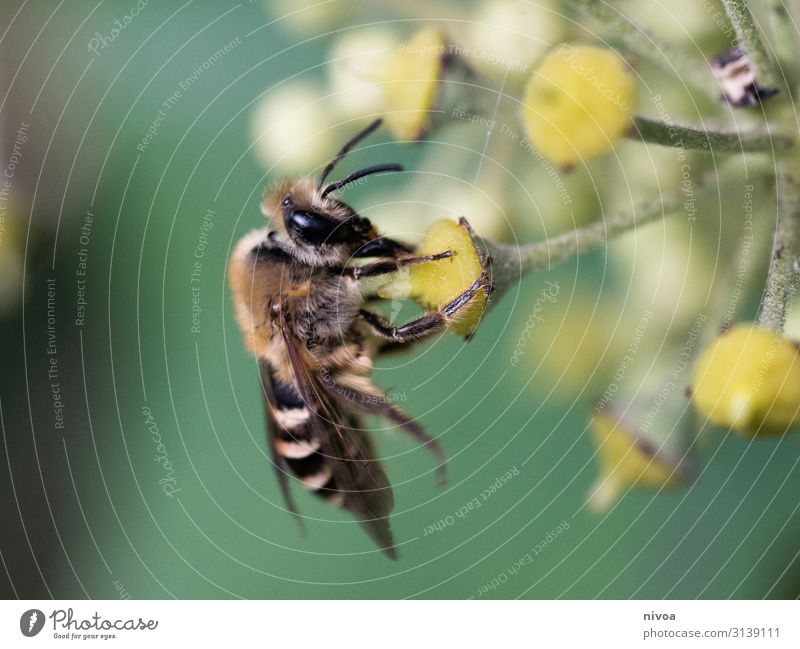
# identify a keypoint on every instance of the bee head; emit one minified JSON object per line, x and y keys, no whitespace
{"x":308,"y":215}
{"x":327,"y":227}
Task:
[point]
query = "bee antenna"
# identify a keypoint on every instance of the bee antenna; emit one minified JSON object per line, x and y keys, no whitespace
{"x":347,"y":148}
{"x":376,"y":169}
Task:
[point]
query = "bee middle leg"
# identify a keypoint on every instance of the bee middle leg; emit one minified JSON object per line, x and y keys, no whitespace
{"x":429,"y":324}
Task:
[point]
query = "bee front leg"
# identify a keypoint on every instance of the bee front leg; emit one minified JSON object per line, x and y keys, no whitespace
{"x":429,"y":324}
{"x":386,"y":266}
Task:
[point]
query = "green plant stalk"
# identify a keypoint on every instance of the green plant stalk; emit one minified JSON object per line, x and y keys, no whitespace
{"x":641,"y":41}
{"x":783,"y":280}
{"x":509,"y":262}
{"x":756,"y":249}
{"x":690,"y":138}
{"x":750,"y":40}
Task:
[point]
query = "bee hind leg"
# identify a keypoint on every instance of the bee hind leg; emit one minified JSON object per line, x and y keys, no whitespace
{"x":367,"y":401}
{"x":428,"y":325}
{"x":418,"y":433}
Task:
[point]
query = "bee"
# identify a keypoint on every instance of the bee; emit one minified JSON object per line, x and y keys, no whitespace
{"x":301,"y":304}
{"x":738,"y":80}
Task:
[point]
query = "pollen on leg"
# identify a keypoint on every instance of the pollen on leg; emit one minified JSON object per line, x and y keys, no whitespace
{"x":439,"y":283}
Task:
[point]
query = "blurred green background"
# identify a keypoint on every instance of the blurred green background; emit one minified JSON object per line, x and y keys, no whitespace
{"x":85,"y":509}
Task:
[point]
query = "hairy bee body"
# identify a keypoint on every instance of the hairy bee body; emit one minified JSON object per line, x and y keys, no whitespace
{"x":323,"y":306}
{"x":300,"y":304}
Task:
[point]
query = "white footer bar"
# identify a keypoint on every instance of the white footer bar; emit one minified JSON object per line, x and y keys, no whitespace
{"x":390,"y":624}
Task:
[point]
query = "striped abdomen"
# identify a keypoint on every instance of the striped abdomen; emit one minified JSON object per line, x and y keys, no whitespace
{"x":300,"y":448}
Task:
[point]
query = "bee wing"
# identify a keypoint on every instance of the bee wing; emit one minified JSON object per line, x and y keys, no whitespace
{"x":357,"y":475}
{"x":360,"y":478}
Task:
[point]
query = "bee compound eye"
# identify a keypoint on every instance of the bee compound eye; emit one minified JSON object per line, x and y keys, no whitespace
{"x":315,"y":228}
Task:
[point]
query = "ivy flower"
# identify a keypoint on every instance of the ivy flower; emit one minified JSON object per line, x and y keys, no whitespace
{"x":627,"y":459}
{"x":749,"y":380}
{"x":426,"y":81}
{"x":411,"y":80}
{"x":435,"y":284}
{"x":578,"y":102}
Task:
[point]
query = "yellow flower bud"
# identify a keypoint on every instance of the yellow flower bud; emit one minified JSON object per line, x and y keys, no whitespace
{"x":410,"y":83}
{"x":578,"y":103}
{"x":627,"y":460}
{"x":749,"y":380}
{"x":434,"y":284}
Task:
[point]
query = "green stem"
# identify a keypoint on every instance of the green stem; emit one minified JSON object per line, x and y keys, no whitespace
{"x":687,"y":137}
{"x":750,"y":40}
{"x":738,"y":285}
{"x":641,"y":41}
{"x":511,"y":262}
{"x":783,"y":280}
